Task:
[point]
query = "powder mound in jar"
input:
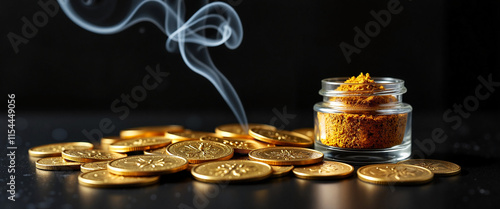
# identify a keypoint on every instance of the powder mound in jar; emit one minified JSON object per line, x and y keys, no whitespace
{"x":359,"y":126}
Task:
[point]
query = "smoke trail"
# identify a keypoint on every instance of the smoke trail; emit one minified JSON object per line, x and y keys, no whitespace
{"x":187,"y":37}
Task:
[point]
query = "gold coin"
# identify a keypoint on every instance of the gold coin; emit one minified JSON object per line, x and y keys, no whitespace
{"x":107,"y":140}
{"x":286,"y":156}
{"x":149,"y":131}
{"x":201,"y":151}
{"x":94,"y":166}
{"x":305,"y":131}
{"x":159,"y":151}
{"x":438,"y":167}
{"x":236,"y":130}
{"x":279,"y":171}
{"x":147,"y":165}
{"x":324,"y":170}
{"x":50,"y":150}
{"x":281,"y":137}
{"x":187,"y":135}
{"x":86,"y":156}
{"x":240,"y":145}
{"x":102,"y":178}
{"x":139,"y":144}
{"x":231,"y":171}
{"x":56,"y":164}
{"x":394,"y":174}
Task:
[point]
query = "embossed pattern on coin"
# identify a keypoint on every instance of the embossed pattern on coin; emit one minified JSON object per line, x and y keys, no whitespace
{"x":147,"y":165}
{"x":86,"y":156}
{"x":102,"y":178}
{"x":56,"y":164}
{"x":286,"y":156}
{"x":94,"y":166}
{"x":281,"y":137}
{"x":149,"y":131}
{"x":235,"y":129}
{"x":159,"y":151}
{"x":394,"y":174}
{"x":52,"y":150}
{"x":139,"y":144}
{"x":324,"y":170}
{"x":231,"y":171}
{"x":438,"y":167}
{"x":201,"y":151}
{"x":240,"y":145}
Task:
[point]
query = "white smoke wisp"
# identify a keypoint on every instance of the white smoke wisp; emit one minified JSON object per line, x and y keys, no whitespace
{"x":187,"y":37}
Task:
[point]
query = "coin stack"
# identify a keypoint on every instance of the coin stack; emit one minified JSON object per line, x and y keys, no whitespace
{"x":139,"y":156}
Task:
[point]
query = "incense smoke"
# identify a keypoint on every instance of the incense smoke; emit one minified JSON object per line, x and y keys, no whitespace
{"x":187,"y":37}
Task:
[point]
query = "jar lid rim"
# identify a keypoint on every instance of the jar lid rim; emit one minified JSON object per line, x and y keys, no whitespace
{"x":378,"y":80}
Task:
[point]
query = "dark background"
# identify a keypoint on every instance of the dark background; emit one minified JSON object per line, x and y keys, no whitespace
{"x":438,"y":47}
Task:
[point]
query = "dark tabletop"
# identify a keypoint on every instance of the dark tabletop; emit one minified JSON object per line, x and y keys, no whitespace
{"x":474,"y":146}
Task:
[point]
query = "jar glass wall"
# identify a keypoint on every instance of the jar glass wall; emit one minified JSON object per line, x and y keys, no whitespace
{"x":363,"y":123}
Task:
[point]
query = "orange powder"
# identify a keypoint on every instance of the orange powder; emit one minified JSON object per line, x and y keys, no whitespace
{"x":358,"y":125}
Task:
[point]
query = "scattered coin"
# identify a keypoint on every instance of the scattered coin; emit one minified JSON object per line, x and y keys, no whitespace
{"x":102,"y":178}
{"x":149,"y":131}
{"x":139,"y":144}
{"x":281,"y":137}
{"x":94,"y":166}
{"x":438,"y":167}
{"x":147,"y":165}
{"x":50,"y":150}
{"x":86,"y":156}
{"x":305,"y":131}
{"x":394,"y":174}
{"x":236,"y":130}
{"x":56,"y":164}
{"x":283,"y":170}
{"x":324,"y":170}
{"x":240,"y":145}
{"x":201,"y":151}
{"x":107,"y":140}
{"x":286,"y":156}
{"x":187,"y":135}
{"x":231,"y":171}
{"x":159,"y":151}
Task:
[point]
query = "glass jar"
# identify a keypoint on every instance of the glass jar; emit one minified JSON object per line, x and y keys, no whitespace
{"x":363,"y":126}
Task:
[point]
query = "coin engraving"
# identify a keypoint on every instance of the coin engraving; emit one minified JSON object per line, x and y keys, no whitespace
{"x":232,"y":170}
{"x":281,"y":137}
{"x":90,"y":155}
{"x":57,"y":148}
{"x":142,"y":165}
{"x":394,"y":173}
{"x":286,"y":156}
{"x":438,"y":167}
{"x":102,"y":178}
{"x":324,"y":170}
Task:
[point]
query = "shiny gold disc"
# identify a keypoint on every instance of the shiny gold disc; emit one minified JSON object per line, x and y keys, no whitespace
{"x":324,"y":170}
{"x":187,"y":135}
{"x":139,"y":144}
{"x":283,"y":170}
{"x":159,"y":151}
{"x":240,"y":145}
{"x":147,"y":165}
{"x":438,"y":167}
{"x":231,"y":171}
{"x":305,"y":131}
{"x":52,"y":150}
{"x":201,"y":151}
{"x":236,"y":130}
{"x":56,"y":164}
{"x":104,"y":179}
{"x":107,"y":140}
{"x":394,"y":174}
{"x":86,"y":156}
{"x":280,"y":137}
{"x":149,"y":131}
{"x":286,"y":156}
{"x":93,"y":166}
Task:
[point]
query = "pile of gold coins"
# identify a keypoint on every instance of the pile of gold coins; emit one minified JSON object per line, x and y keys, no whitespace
{"x":139,"y":156}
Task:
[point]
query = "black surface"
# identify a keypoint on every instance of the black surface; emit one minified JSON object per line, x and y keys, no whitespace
{"x":474,"y":146}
